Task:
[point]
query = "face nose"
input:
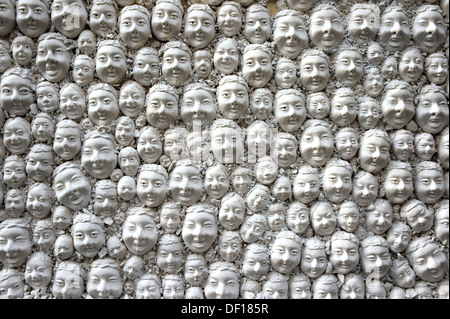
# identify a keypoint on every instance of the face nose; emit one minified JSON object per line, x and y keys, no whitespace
{"x":431,"y":28}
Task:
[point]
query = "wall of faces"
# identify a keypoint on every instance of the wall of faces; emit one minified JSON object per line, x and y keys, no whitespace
{"x":224,"y":149}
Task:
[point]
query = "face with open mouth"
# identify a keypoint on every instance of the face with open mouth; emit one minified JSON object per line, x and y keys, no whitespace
{"x":17,"y":94}
{"x":229,"y":19}
{"x":326,"y":30}
{"x":166,"y":20}
{"x":53,"y":58}
{"x":410,"y":66}
{"x":38,"y":201}
{"x":394,"y":32}
{"x":226,"y":56}
{"x":428,"y":29}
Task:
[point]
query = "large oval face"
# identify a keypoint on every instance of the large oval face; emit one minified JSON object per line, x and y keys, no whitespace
{"x":432,"y":112}
{"x":139,"y":234}
{"x":199,"y":231}
{"x":53,"y":59}
{"x":199,"y":28}
{"x":285,"y":255}
{"x":428,"y":30}
{"x":104,"y":283}
{"x":166,"y":21}
{"x":149,"y":146}
{"x":32,"y":18}
{"x":429,"y":263}
{"x":16,"y":95}
{"x":233,"y":100}
{"x":67,"y":285}
{"x":134,"y":28}
{"x":326,"y":30}
{"x":198,"y":108}
{"x":344,"y":255}
{"x":374,"y":154}
{"x":363,"y":25}
{"x":394,"y":32}
{"x":102,"y":18}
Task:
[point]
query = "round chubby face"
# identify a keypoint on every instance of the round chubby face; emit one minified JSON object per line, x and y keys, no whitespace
{"x":352,"y":288}
{"x":72,"y":188}
{"x":199,"y":231}
{"x":281,"y":188}
{"x":39,"y":165}
{"x":374,"y":154}
{"x":337,"y":183}
{"x":257,"y":27}
{"x":226,"y":57}
{"x":162,"y":109}
{"x":231,"y":214}
{"x":227,"y":145}
{"x":429,"y":262}
{"x":67,"y":285}
{"x":53,"y":59}
{"x":16,"y":137}
{"x":437,"y":70}
{"x":32,"y":17}
{"x":176,"y":66}
{"x":429,"y":186}
{"x":314,"y":73}
{"x":59,"y":15}
{"x":199,"y":29}
{"x":149,"y":146}
{"x":257,"y":68}
{"x":131,"y":101}
{"x":432,"y":112}
{"x":349,"y":67}
{"x":394,"y":32}
{"x":110,"y":64}
{"x":363,"y":25}
{"x":216,"y":182}
{"x":375,"y":260}
{"x":15,"y":246}
{"x":290,"y":36}
{"x":403,"y":146}
{"x":410,"y":66}
{"x":429,"y":30}
{"x":134,"y":28}
{"x":326,"y":30}
{"x":313,"y":262}
{"x":7,"y":18}
{"x":166,"y":21}
{"x":290,"y":112}
{"x":398,"y":107}
{"x":323,"y":221}
{"x":98,"y":157}
{"x":344,"y":255}
{"x":316,"y":145}
{"x":198,"y":108}
{"x":229,"y":20}
{"x":139,"y":234}
{"x":88,"y":238}
{"x":104,"y":283}
{"x":16,"y":94}
{"x":285,"y":255}
{"x":145,"y":68}
{"x":233,"y":100}
{"x":102,"y":18}
{"x":186,"y":185}
{"x":72,"y":103}
{"x":222,"y":284}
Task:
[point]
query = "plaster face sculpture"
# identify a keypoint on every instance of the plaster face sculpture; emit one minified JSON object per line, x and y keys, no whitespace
{"x":394,"y":32}
{"x":32,"y":17}
{"x":285,"y":252}
{"x":63,"y":248}
{"x":198,"y":106}
{"x":297,"y":217}
{"x":116,"y":248}
{"x":15,"y":243}
{"x":152,"y":185}
{"x":379,"y":220}
{"x":429,"y":183}
{"x":203,"y":63}
{"x":131,"y":99}
{"x":323,"y":218}
{"x":226,"y":56}
{"x":126,"y":188}
{"x":363,"y":23}
{"x":149,"y":145}
{"x":22,"y":50}
{"x":373,"y":83}
{"x":88,"y":235}
{"x":428,"y":28}
{"x":68,"y":282}
{"x":314,"y":259}
{"x":166,"y":20}
{"x":375,"y":258}
{"x":62,"y":217}
{"x":353,"y":287}
{"x":106,"y":201}
{"x":347,"y":143}
{"x":348,"y":68}
{"x":281,"y":188}
{"x":230,"y":246}
{"x":87,"y":42}
{"x":389,"y":67}
{"x":17,"y":135}
{"x":348,"y":216}
{"x":275,"y":218}
{"x":403,"y":145}
{"x":102,"y":104}
{"x":7,"y":17}
{"x":14,"y":203}
{"x":222,"y":282}
{"x":419,"y":217}
{"x":124,"y":133}
{"x":425,"y":146}
{"x":428,"y":261}
{"x":11,"y":285}
{"x":39,"y":200}
{"x":72,"y":102}
{"x":148,"y":287}
{"x":326,"y":30}
{"x":38,"y":271}
{"x":133,"y":267}
{"x":216,"y":182}
{"x":255,"y":261}
{"x":53,"y":57}
{"x":40,"y":162}
{"x":325,"y":287}
{"x":47,"y":97}
{"x":199,"y":146}
{"x":266,"y":170}
{"x":436,"y":68}
{"x":229,"y":19}
{"x":398,"y":183}
{"x":375,"y":54}
{"x":110,"y":62}
{"x":186,"y":184}
{"x":253,"y":228}
{"x":134,"y":26}
{"x":318,"y":105}
{"x":258,"y":198}
{"x":146,"y":66}
{"x":173,"y":287}
{"x":257,"y":65}
{"x":83,"y":70}
{"x":289,"y":33}
{"x":139,"y":231}
{"x":300,"y":287}
{"x":14,"y":174}
{"x":258,"y":140}
{"x":176,"y":63}
{"x":398,"y":237}
{"x":314,"y":67}
{"x":402,"y":274}
{"x":344,"y":255}
{"x":5,"y":58}
{"x":227,"y":144}
{"x":306,"y":185}
{"x":199,"y":228}
{"x":67,"y":140}
{"x":169,"y":256}
{"x":162,"y":106}
{"x":290,"y":110}
{"x":337,"y":181}
{"x":257,"y":24}
{"x":285,"y":73}
{"x":276,"y":287}
{"x":170,"y":217}
{"x":104,"y":280}
{"x":232,"y":97}
{"x":374,"y":151}
{"x":316,"y":143}
{"x":241,"y":179}
{"x":98,"y":156}
{"x":195,"y":269}
{"x":72,"y":188}
{"x":432,"y":112}
{"x":441,"y":228}
{"x":231,"y":212}
{"x":102,"y":17}
{"x":16,"y":92}
{"x":410,"y":66}
{"x":261,"y":103}
{"x":301,"y":5}
{"x":69,"y":17}
{"x":199,"y":27}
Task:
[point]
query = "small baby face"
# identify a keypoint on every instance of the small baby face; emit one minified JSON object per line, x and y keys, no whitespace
{"x":126,"y":188}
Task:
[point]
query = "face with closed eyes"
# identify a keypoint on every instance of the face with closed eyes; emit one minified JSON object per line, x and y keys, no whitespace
{"x":323,"y":220}
{"x":429,"y":262}
{"x":375,"y":260}
{"x":231,"y":214}
{"x":67,"y":285}
{"x":104,"y":283}
{"x":39,"y":203}
{"x":139,"y":234}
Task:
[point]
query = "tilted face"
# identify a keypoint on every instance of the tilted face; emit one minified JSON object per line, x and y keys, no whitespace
{"x":166,"y":21}
{"x":398,"y":239}
{"x":139,"y":234}
{"x":285,"y":255}
{"x":176,"y":66}
{"x":37,"y":274}
{"x":241,"y":183}
{"x":437,"y":70}
{"x":226,"y":57}
{"x":149,"y":146}
{"x":102,"y":18}
{"x":72,"y":188}
{"x":199,"y":29}
{"x":233,"y":100}
{"x":227,"y":145}
{"x":39,"y":203}
{"x":290,"y":112}
{"x":5,"y":58}
{"x":151,"y":188}
{"x":276,"y":220}
{"x":199,"y":231}
{"x":53,"y":59}
{"x":428,"y":30}
{"x":134,"y":28}
{"x":110,"y":64}
{"x":282,"y":189}
{"x":314,"y":73}
{"x":7,"y":17}
{"x":323,"y":221}
{"x":374,"y":154}
{"x":410,"y":66}
{"x":32,"y":18}
{"x":72,"y":103}
{"x":313,"y":262}
{"x":375,"y":54}
{"x":344,"y":255}
{"x":195,"y":272}
{"x":403,"y":146}
{"x":63,"y":248}
{"x":16,"y":95}
{"x":394,"y":32}
{"x":425,"y":148}
{"x":69,"y":17}
{"x":420,"y":218}
{"x":162,"y":109}
{"x":170,"y":257}
{"x":403,"y":276}
{"x":197,"y":108}
{"x":375,"y":261}
{"x":15,"y":246}
{"x":222,"y":284}
{"x":316,"y":145}
{"x":173,"y":289}
{"x":326,"y":30}
{"x":104,"y":283}
{"x":186,"y":185}
{"x":67,"y":285}
{"x":290,"y":36}
{"x":257,"y":200}
{"x":398,"y":185}
{"x":441,"y":228}
{"x":352,"y":289}
{"x":98,"y":157}
{"x":337,"y":183}
{"x":379,"y":220}
{"x":429,"y":186}
{"x":229,"y":20}
{"x":363,"y":25}
{"x":389,"y":67}
{"x":432,"y":112}
{"x":88,"y":238}
{"x":343,"y":110}
{"x":429,"y":262}
{"x":257,"y":68}
{"x":231,"y":214}
{"x":145,"y":68}
{"x":257,"y":27}
{"x":348,"y":218}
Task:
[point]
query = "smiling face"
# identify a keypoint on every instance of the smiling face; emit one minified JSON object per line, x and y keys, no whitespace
{"x":343,"y":110}
{"x":290,"y":112}
{"x":231,"y":214}
{"x":72,"y":188}
{"x":72,"y":103}
{"x":432,"y":112}
{"x":149,"y":146}
{"x":17,"y":135}
{"x":39,"y":203}
{"x":139,"y":234}
{"x":199,"y":231}
{"x":104,"y":283}
{"x":15,"y":246}
{"x":363,"y":25}
{"x":233,"y":100}
{"x":437,"y":70}
{"x":429,"y":185}
{"x":403,"y":146}
{"x":216,"y":182}
{"x":429,"y":262}
{"x":398,"y":238}
{"x":145,"y":68}
{"x":394,"y":32}
{"x":337,"y":183}
{"x":32,"y":18}
{"x":229,"y":20}
{"x":98,"y":157}
{"x":429,"y":30}
{"x":16,"y":94}
{"x":326,"y":30}
{"x":76,"y":10}
{"x":186,"y":185}
{"x":53,"y":59}
{"x":398,"y":185}
{"x":110,"y":64}
{"x":323,"y":220}
{"x":410,"y":66}
{"x":316,"y":145}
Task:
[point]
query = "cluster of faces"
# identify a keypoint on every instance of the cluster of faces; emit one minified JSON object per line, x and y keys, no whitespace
{"x":222,"y":150}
